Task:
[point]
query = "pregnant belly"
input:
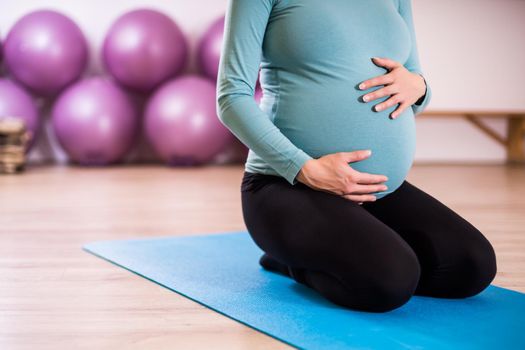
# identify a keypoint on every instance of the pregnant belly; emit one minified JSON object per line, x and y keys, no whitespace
{"x":321,"y":122}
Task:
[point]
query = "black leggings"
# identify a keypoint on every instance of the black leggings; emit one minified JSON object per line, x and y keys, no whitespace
{"x":369,"y":257}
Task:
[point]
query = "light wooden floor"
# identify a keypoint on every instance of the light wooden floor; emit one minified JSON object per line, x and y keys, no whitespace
{"x":55,"y":296}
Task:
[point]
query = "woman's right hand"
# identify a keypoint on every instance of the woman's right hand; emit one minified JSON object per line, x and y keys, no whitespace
{"x":331,"y":173}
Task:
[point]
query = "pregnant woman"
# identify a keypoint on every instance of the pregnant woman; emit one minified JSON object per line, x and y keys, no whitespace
{"x":326,"y":212}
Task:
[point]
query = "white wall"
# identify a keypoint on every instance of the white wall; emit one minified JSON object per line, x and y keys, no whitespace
{"x":472,"y":52}
{"x":95,"y":17}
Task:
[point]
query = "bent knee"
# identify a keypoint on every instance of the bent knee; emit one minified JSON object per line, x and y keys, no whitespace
{"x":474,"y":271}
{"x":389,"y":289}
{"x":394,"y":290}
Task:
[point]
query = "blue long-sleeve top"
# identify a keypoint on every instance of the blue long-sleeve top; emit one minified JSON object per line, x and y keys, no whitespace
{"x":310,"y":57}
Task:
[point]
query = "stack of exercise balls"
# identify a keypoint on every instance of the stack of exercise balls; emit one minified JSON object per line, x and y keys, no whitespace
{"x":94,"y":118}
{"x":43,"y":52}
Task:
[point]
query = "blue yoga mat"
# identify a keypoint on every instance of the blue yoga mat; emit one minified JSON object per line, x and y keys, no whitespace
{"x":221,"y":272}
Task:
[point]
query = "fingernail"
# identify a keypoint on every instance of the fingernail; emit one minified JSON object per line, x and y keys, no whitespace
{"x":378,"y":108}
{"x":368,"y":152}
{"x":361,"y":86}
{"x":365,"y":98}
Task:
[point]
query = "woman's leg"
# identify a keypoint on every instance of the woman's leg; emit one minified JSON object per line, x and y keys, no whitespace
{"x":456,"y":259}
{"x":330,"y":244}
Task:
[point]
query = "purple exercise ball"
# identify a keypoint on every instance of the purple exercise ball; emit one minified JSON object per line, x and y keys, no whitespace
{"x":95,"y":121}
{"x":16,"y":102}
{"x":181,"y":122}
{"x":143,"y":49}
{"x":45,"y":51}
{"x":209,"y":49}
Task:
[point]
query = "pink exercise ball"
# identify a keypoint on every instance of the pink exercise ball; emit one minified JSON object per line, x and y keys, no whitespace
{"x":181,"y":122}
{"x":209,"y":49}
{"x":95,"y":122}
{"x":144,"y":48}
{"x":16,"y":102}
{"x":45,"y":51}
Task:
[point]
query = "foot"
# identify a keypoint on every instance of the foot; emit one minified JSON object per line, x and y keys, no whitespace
{"x":269,"y":263}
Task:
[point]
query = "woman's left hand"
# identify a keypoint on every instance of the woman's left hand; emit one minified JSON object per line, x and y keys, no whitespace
{"x":404,"y":86}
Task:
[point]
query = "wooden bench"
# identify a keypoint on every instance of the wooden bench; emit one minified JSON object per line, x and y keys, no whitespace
{"x":514,"y":140}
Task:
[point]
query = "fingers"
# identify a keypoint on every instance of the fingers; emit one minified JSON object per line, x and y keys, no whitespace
{"x":385,"y":62}
{"x":404,"y":105}
{"x":384,"y":79}
{"x":360,"y":197}
{"x":359,"y":185}
{"x":354,"y":156}
{"x":385,"y":91}
{"x":395,"y":99}
{"x":365,"y":189}
{"x":366,"y":178}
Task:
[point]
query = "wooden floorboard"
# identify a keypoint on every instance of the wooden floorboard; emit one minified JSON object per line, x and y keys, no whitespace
{"x":53,"y":295}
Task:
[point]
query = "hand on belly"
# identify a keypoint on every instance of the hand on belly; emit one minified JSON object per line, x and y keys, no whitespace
{"x":404,"y":87}
{"x":332,"y":174}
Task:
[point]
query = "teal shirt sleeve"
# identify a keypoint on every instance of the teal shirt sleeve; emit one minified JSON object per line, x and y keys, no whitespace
{"x":244,"y":29}
{"x":412,"y":63}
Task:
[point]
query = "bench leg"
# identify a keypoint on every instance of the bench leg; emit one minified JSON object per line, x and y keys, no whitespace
{"x":515,"y":140}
